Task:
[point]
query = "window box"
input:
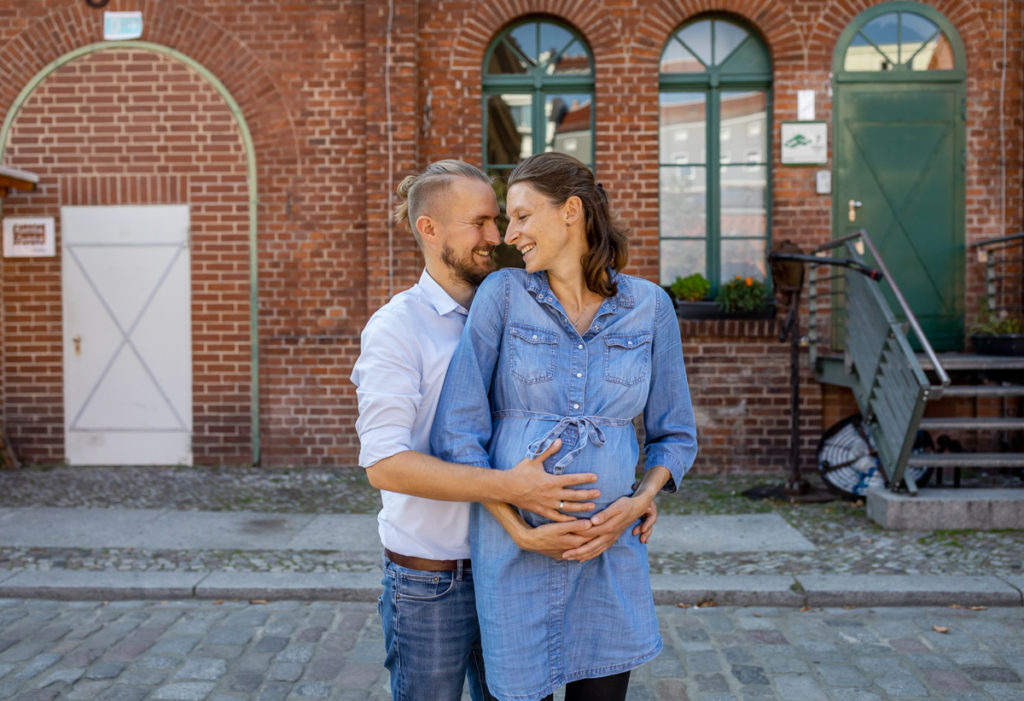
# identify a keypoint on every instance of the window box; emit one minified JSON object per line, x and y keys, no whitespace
{"x":708,"y":309}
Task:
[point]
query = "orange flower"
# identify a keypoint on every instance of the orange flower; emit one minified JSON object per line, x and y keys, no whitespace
{"x":749,"y":281}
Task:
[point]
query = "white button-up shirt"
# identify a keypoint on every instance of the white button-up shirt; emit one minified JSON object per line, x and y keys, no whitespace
{"x":405,"y":350}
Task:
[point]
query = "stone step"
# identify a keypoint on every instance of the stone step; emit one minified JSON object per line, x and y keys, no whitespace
{"x":947,"y":509}
{"x":955,"y":423}
{"x":989,"y":460}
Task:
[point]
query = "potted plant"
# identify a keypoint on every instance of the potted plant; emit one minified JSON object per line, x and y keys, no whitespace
{"x":692,"y":288}
{"x":997,"y":333}
{"x":742,"y":296}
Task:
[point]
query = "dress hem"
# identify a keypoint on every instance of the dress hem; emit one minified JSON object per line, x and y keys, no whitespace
{"x":593,"y":673}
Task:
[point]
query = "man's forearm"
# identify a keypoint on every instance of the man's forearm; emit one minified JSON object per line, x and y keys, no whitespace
{"x":421,"y":475}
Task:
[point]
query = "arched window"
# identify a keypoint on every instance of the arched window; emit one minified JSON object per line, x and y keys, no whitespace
{"x":538,"y":89}
{"x":898,"y":40}
{"x":714,"y":152}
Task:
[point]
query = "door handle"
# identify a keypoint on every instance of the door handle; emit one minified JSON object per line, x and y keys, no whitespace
{"x":77,"y":340}
{"x":854,"y":204}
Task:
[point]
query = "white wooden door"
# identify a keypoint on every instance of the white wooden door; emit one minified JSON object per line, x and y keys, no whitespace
{"x":127,"y":335}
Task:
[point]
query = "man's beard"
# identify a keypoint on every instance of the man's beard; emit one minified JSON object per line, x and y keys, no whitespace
{"x":466,"y":269}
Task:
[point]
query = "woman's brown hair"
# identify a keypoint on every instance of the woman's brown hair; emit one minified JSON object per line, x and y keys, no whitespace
{"x":558,"y":177}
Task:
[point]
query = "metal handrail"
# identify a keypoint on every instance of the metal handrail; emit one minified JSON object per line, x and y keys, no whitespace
{"x":1002,"y":239}
{"x":909,"y":315}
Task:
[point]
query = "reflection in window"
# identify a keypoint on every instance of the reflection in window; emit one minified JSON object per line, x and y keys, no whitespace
{"x":899,"y":40}
{"x":713,"y":152}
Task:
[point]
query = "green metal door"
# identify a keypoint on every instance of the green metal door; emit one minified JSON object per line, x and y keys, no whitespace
{"x":899,"y":157}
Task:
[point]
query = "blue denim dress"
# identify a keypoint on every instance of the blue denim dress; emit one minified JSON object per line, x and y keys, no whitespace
{"x":521,"y":377}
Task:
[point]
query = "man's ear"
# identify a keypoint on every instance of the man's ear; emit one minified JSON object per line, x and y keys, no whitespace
{"x":426,"y":228}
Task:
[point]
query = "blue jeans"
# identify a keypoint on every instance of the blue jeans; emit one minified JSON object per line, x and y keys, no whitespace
{"x":431,"y":634}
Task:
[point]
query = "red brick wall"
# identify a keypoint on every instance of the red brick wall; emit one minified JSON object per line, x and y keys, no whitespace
{"x":316,"y":83}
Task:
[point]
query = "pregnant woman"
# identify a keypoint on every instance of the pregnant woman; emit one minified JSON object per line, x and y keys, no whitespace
{"x":568,"y":348}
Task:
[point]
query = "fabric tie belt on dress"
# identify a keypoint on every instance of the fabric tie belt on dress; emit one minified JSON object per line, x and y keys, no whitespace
{"x":587,"y":427}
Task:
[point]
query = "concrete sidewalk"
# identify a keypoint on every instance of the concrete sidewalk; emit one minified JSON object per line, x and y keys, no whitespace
{"x":355,"y":537}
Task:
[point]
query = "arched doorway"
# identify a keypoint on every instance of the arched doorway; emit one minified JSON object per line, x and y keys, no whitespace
{"x":899,"y":154}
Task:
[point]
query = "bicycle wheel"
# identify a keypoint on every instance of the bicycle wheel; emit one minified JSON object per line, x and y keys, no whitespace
{"x":848,"y":462}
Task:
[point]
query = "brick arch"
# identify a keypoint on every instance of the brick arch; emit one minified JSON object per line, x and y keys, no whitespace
{"x":67,"y":29}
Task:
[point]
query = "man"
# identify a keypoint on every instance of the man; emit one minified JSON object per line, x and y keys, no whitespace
{"x":428,"y":608}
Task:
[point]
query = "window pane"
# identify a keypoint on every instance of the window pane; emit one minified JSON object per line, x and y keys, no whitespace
{"x":682,"y":258}
{"x":681,"y":127}
{"x":568,"y":125}
{"x":697,"y":37}
{"x":506,"y":60}
{"x":862,"y":56}
{"x":743,"y":127}
{"x":727,"y":37}
{"x":573,"y":61}
{"x":932,"y":54}
{"x":683,"y":204}
{"x":744,"y":258}
{"x":524,"y":38}
{"x":553,"y":39}
{"x":883,"y":32}
{"x":936,"y":55}
{"x":509,"y":134}
{"x":677,"y":59}
{"x":744,"y":193}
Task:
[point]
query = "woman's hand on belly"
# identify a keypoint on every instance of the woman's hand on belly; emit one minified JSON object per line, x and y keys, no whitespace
{"x":609,"y":524}
{"x":554,"y":539}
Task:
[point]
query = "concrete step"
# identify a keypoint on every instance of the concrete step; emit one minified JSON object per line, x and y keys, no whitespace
{"x":983,"y":391}
{"x":989,"y":460}
{"x":955,"y":423}
{"x":947,"y":509}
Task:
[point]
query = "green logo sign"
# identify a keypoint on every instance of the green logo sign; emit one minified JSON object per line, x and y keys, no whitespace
{"x":798,"y":140}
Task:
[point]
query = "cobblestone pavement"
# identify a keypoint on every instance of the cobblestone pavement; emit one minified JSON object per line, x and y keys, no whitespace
{"x":848,"y":542}
{"x":325,"y":650}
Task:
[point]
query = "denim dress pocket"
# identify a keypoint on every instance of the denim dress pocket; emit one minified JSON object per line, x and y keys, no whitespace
{"x":533,"y":353}
{"x":627,"y":358}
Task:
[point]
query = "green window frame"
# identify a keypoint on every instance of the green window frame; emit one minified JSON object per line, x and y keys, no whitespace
{"x":538,"y":94}
{"x":714,"y":152}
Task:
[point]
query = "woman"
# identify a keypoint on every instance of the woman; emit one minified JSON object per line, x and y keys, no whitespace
{"x":572,"y":349}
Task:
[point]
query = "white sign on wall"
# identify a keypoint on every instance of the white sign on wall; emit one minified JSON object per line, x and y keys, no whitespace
{"x":804,"y":143}
{"x":28,"y":237}
{"x":119,"y":26}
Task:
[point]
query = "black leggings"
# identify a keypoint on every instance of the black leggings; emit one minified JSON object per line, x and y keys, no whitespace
{"x":611,"y":688}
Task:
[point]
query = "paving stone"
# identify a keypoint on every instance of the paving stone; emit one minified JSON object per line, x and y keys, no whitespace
{"x":991,"y":674}
{"x":798,"y":687}
{"x":245,"y":681}
{"x":286,"y":671}
{"x":208,"y":670}
{"x":271,"y":643}
{"x":174,"y":646}
{"x":749,"y":674}
{"x":125,"y":693}
{"x":184,"y":691}
{"x":67,"y":675}
{"x":37,"y":664}
{"x":902,"y":684}
{"x":946,"y":681}
{"x":835,"y":675}
{"x":104,"y":670}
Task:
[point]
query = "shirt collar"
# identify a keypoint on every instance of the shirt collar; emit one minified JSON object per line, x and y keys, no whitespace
{"x":435,"y":295}
{"x":538,"y":285}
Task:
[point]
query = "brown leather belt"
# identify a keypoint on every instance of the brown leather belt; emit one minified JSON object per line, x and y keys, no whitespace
{"x":425,"y":565}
